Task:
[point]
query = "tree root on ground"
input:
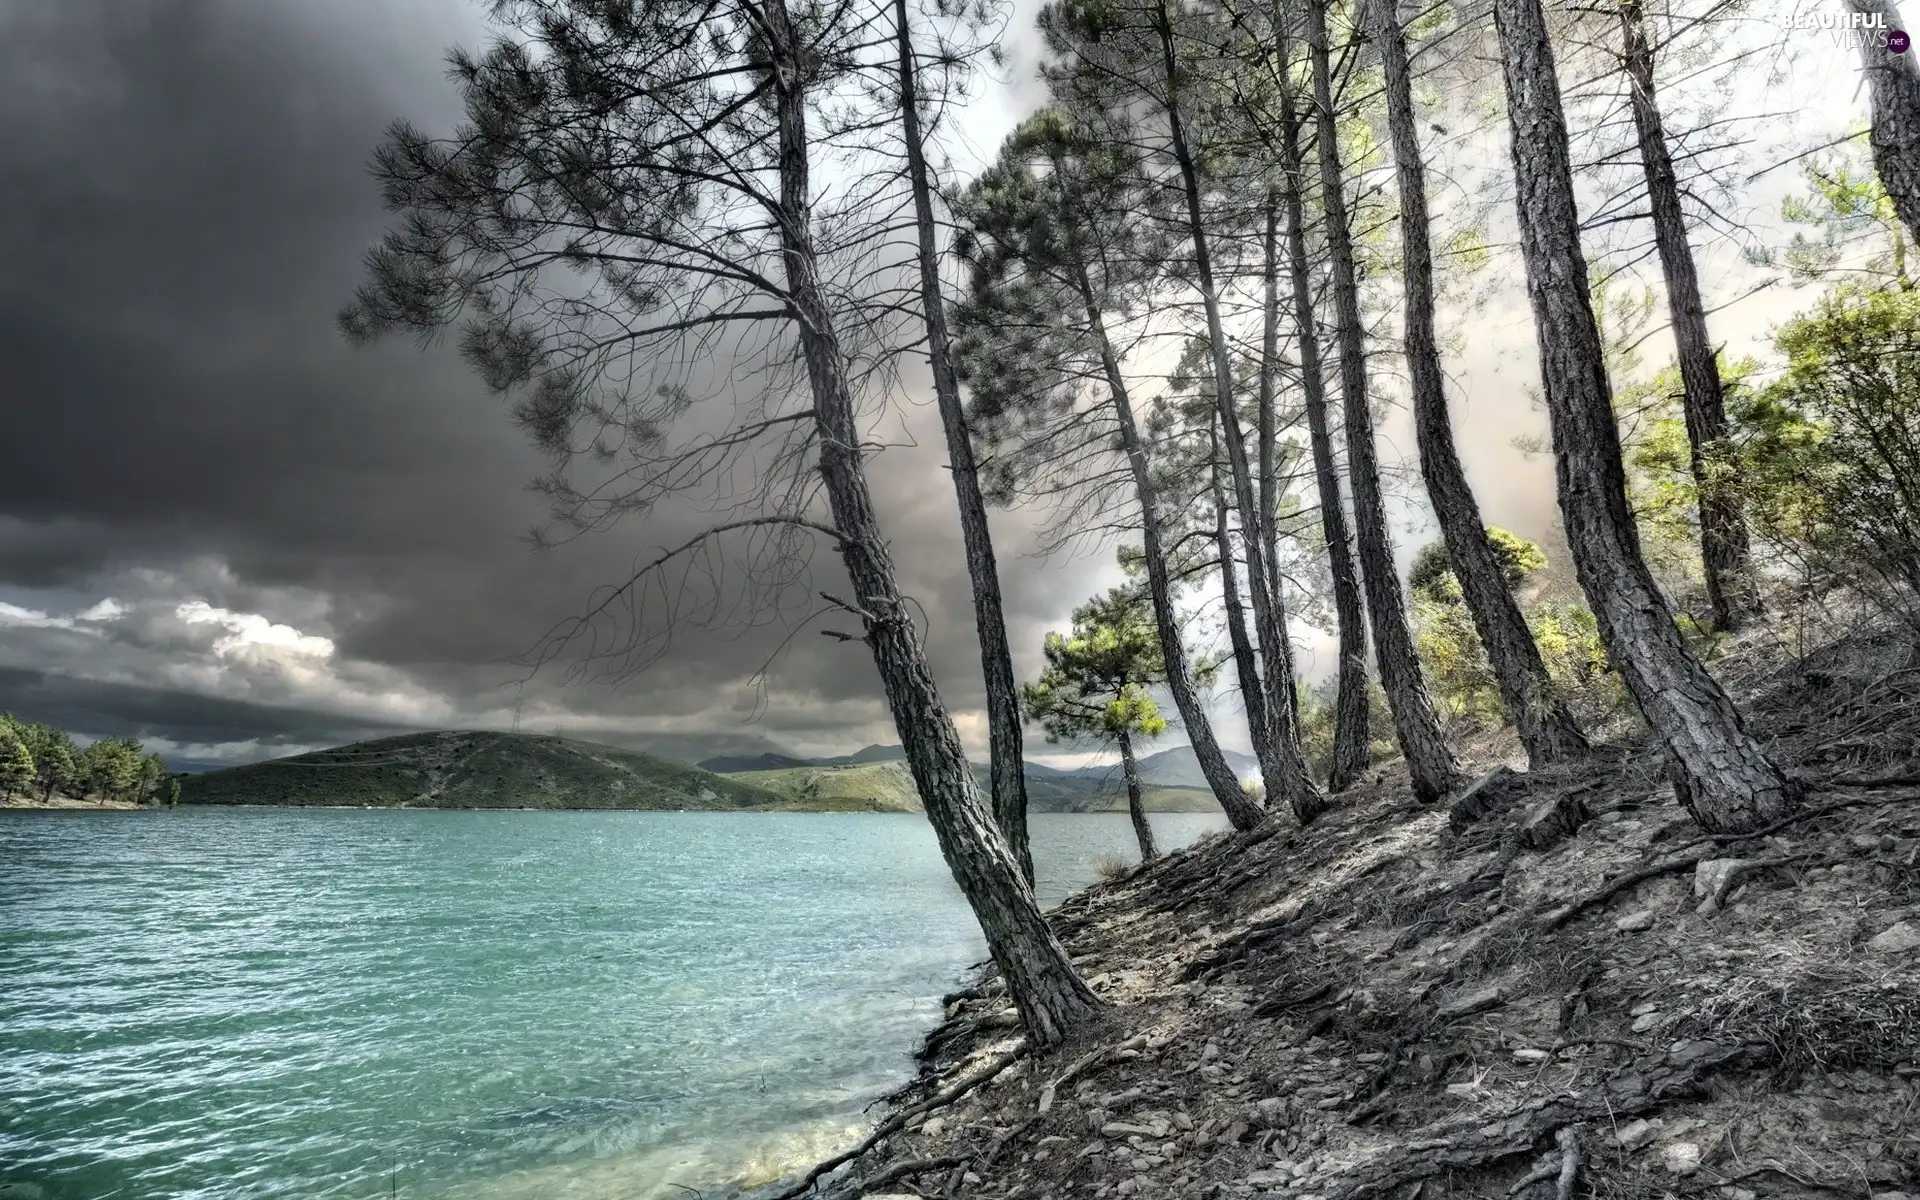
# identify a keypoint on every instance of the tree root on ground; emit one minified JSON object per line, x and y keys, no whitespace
{"x":1465,"y":1144}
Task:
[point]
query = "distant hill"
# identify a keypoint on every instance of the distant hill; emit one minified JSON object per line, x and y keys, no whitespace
{"x":478,"y":770}
{"x":732,"y":764}
{"x":887,"y":786}
{"x":1177,"y":768}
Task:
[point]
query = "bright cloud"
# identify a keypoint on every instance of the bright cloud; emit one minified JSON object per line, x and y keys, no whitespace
{"x":248,"y":630}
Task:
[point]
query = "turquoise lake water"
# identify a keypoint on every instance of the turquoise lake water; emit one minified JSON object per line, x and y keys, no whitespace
{"x":471,"y":1005}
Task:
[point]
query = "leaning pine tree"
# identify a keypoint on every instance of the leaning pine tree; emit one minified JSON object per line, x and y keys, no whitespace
{"x":1539,"y":712}
{"x":1724,"y":550}
{"x":624,"y":229}
{"x":1432,"y":768}
{"x":1719,"y":769}
{"x":1059,"y":257}
{"x":1007,"y":762}
{"x":1095,"y":688}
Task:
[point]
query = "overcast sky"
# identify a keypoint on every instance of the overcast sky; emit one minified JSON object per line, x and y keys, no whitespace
{"x":226,"y":532}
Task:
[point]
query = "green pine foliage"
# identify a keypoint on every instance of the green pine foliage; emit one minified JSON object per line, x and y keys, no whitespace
{"x":1095,"y":683}
{"x":1832,"y":447}
{"x":43,"y":762}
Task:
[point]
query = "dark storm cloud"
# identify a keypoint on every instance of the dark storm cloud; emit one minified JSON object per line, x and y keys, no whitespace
{"x":183,"y":207}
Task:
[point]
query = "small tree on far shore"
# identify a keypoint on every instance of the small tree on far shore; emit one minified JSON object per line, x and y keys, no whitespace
{"x":1094,"y":688}
{"x":16,"y":761}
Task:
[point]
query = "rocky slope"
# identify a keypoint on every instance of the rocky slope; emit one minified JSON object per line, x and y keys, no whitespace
{"x":1564,"y":989}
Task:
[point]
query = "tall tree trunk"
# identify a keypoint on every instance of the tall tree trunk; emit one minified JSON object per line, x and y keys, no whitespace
{"x":1893,"y":84}
{"x":1051,"y":997}
{"x":1539,"y":712}
{"x":1008,"y":768}
{"x":1260,"y":724}
{"x":1285,"y":769}
{"x":1719,"y":769}
{"x":1287,"y":720}
{"x":1136,"y":806}
{"x":1352,"y":739}
{"x":1233,"y":799}
{"x":1724,"y":550}
{"x":1431,"y":766}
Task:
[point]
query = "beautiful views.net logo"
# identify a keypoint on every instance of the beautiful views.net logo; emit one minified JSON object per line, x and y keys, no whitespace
{"x":1855,"y":30}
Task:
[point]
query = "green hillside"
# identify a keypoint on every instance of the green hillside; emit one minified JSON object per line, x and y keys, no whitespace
{"x":888,"y":787}
{"x":477,"y":770}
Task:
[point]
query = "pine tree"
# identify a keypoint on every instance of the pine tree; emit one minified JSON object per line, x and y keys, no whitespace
{"x":1095,"y":687}
{"x":1719,"y":769}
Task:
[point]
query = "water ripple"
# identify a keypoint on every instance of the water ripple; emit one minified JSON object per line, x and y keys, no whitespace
{"x":243,"y":1004}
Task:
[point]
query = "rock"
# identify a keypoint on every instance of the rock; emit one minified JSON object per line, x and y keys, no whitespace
{"x":1528,"y":1054}
{"x":1633,"y":1135}
{"x":1120,"y":1129}
{"x":934,"y":1128}
{"x":1681,"y":1158}
{"x":1635,"y":922}
{"x":1493,"y":791}
{"x":1268,"y":1179}
{"x":1645,"y":1022}
{"x":1899,"y":939}
{"x":1471,"y":1003}
{"x":1183,"y":1121}
{"x":1551,"y":821}
{"x":1643,"y":1008}
{"x":1209,"y":1052}
{"x":1126,"y":1187}
{"x":969,"y":1177}
{"x":1712,"y":880}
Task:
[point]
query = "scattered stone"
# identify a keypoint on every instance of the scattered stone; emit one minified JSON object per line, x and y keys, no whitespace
{"x":1529,"y":1054}
{"x":1712,"y":880}
{"x":1210,"y":1051}
{"x":1183,"y":1121}
{"x":1633,"y":1135}
{"x":1551,"y":821}
{"x":1473,"y":1002}
{"x":1900,"y":939}
{"x":1267,"y":1179}
{"x":934,"y":1128}
{"x":1681,"y":1158}
{"x":1643,"y":1008}
{"x":1635,"y":922}
{"x":1645,"y":1022}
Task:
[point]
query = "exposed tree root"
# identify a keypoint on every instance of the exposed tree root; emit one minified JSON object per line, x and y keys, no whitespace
{"x":947,"y":1095}
{"x":1474,"y":1142}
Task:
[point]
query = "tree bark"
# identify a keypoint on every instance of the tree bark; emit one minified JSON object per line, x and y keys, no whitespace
{"x":1431,"y":766}
{"x":1007,"y":766}
{"x":1284,"y":771}
{"x":1724,"y":549}
{"x":1050,"y":996}
{"x":1136,"y":806}
{"x":1233,"y":799}
{"x":1539,"y":712}
{"x":1260,"y":725}
{"x":1720,"y":771}
{"x":1287,"y":720}
{"x":1893,"y":84}
{"x":1352,"y":740}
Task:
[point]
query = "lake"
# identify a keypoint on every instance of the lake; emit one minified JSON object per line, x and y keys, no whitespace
{"x":470,"y":1005}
